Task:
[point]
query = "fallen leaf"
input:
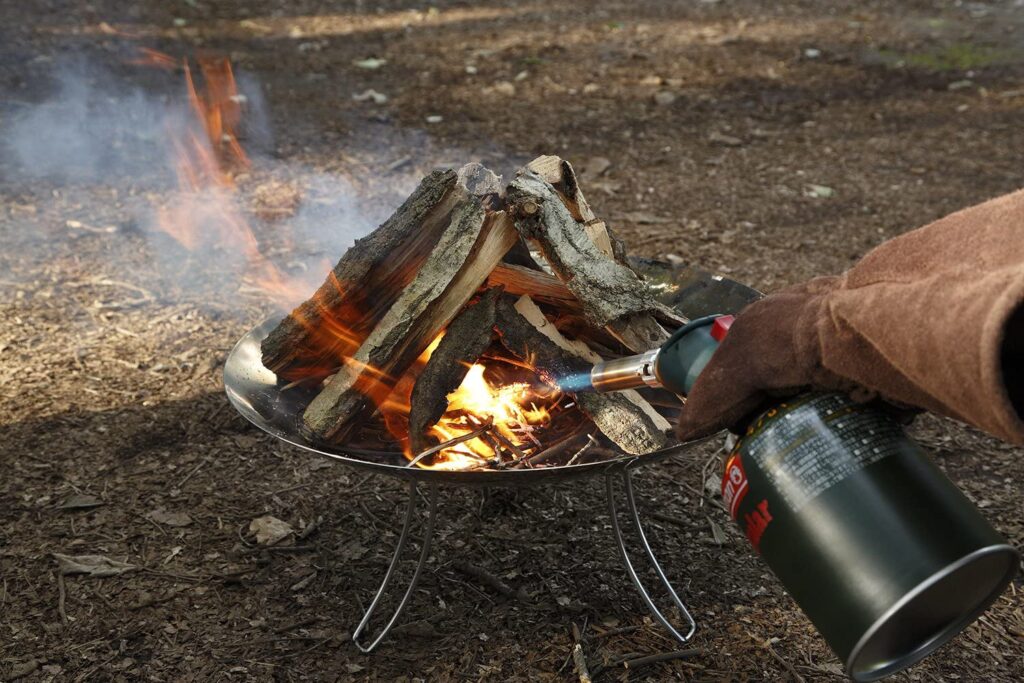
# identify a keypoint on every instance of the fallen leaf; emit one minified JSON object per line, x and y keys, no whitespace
{"x":371,"y":94}
{"x":818,"y":191}
{"x":352,"y":551}
{"x":717,"y":138}
{"x":643,"y":218}
{"x":717,"y":532}
{"x":370,"y":63}
{"x":269,"y":530}
{"x":93,"y":565}
{"x":175,"y":551}
{"x":595,"y":166}
{"x":80,"y":501}
{"x":305,"y":581}
{"x":161,"y":516}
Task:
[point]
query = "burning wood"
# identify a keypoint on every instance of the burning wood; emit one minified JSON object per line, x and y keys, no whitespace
{"x":464,"y":342}
{"x":463,"y":385}
{"x":625,"y":418}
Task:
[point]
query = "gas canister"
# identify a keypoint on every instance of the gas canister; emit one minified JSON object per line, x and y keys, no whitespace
{"x":887,"y":558}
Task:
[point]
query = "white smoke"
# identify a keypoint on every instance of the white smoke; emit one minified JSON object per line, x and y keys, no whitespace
{"x":98,"y":131}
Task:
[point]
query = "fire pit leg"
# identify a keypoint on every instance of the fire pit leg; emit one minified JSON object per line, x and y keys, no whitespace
{"x":428,"y":533}
{"x":627,"y":482}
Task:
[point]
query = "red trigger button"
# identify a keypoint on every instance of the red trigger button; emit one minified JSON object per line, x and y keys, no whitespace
{"x":721,"y":326}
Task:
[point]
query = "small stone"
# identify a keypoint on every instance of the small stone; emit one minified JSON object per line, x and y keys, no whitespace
{"x":522,"y":76}
{"x":470,"y":69}
{"x":434,"y":118}
{"x":504,"y":88}
{"x":664,"y":98}
{"x":812,"y":53}
{"x":591,"y":88}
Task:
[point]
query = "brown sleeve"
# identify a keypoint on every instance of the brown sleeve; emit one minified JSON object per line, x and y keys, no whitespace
{"x":935,"y":318}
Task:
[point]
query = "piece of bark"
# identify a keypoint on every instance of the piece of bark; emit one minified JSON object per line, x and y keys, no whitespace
{"x":624,"y":417}
{"x":464,"y":340}
{"x":560,"y":174}
{"x":318,"y":335}
{"x":480,"y":180}
{"x":612,"y":295}
{"x":471,"y":246}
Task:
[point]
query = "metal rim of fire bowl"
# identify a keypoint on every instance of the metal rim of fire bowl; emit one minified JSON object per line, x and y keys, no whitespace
{"x":255,"y":393}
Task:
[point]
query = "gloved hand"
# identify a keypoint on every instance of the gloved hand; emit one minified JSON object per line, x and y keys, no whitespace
{"x":933,"y":319}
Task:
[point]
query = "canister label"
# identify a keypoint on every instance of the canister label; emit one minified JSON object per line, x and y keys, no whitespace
{"x":804,"y":449}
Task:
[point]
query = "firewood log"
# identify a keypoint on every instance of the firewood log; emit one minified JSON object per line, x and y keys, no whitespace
{"x":612,"y":295}
{"x":560,"y":174}
{"x":318,"y":335}
{"x":625,"y":418}
{"x":537,"y":284}
{"x":472,"y":244}
{"x":466,"y":338}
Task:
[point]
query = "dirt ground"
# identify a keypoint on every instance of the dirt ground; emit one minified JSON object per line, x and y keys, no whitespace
{"x":769,"y":141}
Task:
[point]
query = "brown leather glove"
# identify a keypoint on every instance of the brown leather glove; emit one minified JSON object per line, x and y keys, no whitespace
{"x":933,"y":319}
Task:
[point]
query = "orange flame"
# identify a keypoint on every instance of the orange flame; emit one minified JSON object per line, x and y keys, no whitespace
{"x":510,"y":406}
{"x":206,"y":213}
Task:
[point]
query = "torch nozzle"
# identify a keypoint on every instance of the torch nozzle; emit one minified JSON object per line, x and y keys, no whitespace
{"x":630,"y":372}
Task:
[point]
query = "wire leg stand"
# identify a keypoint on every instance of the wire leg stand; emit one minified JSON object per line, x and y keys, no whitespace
{"x":627,"y":483}
{"x":428,"y":533}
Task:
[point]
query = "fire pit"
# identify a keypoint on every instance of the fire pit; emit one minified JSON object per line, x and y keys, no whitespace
{"x":436,"y":351}
{"x":277,"y":408}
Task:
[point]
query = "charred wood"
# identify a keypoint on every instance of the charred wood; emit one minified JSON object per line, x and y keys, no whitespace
{"x":466,"y":338}
{"x":318,"y":335}
{"x":472,"y":244}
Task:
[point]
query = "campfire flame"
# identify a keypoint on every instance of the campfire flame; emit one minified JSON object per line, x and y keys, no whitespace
{"x":511,"y":407}
{"x":206,"y":214}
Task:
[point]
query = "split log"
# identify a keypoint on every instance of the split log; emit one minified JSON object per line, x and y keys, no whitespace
{"x":536,"y":284}
{"x":472,"y":244}
{"x":560,"y":174}
{"x":466,"y":338}
{"x":318,"y":335}
{"x":612,"y":295}
{"x":623,"y":417}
